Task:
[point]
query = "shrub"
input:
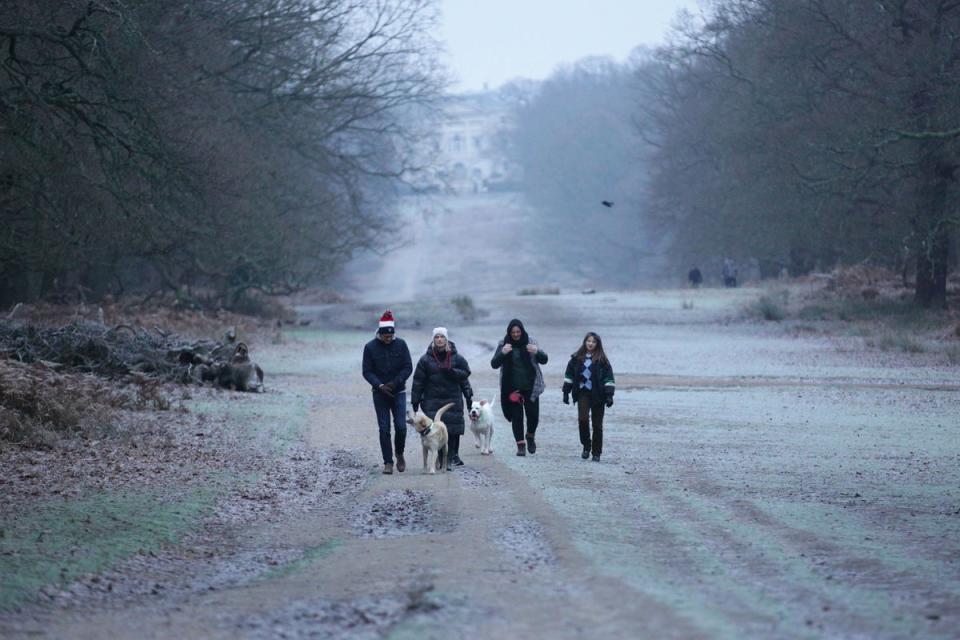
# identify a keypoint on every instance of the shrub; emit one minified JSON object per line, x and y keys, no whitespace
{"x":768,"y":308}
{"x":539,"y":291}
{"x":900,"y":342}
{"x":465,"y":307}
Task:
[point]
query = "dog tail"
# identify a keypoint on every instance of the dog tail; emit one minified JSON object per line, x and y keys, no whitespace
{"x":441,"y":411}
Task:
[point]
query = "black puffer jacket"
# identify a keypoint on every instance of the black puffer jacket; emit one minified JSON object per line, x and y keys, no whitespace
{"x":439,"y":379}
{"x":383,"y":363}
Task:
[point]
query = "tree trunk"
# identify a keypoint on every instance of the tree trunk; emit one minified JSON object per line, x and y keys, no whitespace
{"x":934,"y":232}
{"x":931,"y":287}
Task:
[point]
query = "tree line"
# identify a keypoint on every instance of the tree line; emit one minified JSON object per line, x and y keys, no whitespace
{"x":215,"y":146}
{"x":799,"y":134}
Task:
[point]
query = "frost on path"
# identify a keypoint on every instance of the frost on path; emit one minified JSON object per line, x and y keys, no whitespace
{"x":475,"y":478}
{"x":525,"y":542}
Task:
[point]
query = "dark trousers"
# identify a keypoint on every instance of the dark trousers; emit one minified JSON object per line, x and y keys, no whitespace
{"x":453,"y":444}
{"x":584,"y":413}
{"x":385,"y":406}
{"x":514,"y":413}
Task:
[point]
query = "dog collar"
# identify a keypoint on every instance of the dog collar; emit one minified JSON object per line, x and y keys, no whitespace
{"x":426,"y":432}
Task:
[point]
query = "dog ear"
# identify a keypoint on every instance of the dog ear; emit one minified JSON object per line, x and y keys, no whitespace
{"x":483,"y":403}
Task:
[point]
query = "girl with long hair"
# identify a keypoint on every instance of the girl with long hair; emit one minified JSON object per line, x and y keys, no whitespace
{"x":589,"y":378}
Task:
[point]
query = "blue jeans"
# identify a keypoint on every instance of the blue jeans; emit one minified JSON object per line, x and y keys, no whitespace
{"x":385,"y":405}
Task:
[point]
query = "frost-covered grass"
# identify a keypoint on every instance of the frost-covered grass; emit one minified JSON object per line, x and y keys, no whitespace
{"x":755,"y":510}
{"x":59,"y":540}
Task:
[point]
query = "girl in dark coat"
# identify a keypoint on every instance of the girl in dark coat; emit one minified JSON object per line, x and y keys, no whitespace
{"x":518,"y":356}
{"x":442,"y":376}
{"x":589,"y":377}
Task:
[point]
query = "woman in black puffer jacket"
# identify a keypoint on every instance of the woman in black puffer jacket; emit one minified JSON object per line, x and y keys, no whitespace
{"x":442,"y":376}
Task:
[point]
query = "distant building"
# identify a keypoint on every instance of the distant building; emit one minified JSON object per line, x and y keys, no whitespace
{"x":465,"y":153}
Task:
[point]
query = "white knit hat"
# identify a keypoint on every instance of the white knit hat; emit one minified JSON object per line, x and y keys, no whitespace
{"x":440,"y":331}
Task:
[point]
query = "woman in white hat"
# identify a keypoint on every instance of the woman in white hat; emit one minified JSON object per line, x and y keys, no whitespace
{"x":442,"y":376}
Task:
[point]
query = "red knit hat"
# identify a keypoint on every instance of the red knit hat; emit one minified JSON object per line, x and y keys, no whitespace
{"x":386,"y":322}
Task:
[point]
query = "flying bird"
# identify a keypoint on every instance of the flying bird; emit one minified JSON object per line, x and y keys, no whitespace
{"x":607,"y":203}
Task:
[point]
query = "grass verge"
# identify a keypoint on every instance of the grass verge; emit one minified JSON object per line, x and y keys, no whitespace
{"x":60,"y":540}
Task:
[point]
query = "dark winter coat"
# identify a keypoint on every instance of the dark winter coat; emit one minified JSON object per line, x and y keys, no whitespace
{"x":601,"y":375}
{"x":383,"y":363}
{"x":504,"y":363}
{"x":437,"y":381}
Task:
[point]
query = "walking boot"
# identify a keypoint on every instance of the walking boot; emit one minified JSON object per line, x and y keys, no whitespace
{"x":531,"y":444}
{"x":586,"y":453}
{"x":387,"y":468}
{"x":521,"y":448}
{"x":401,"y":463}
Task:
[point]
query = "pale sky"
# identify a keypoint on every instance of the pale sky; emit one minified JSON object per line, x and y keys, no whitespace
{"x":492,"y":41}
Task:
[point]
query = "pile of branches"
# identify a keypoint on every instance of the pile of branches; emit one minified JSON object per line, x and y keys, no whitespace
{"x":109,"y":352}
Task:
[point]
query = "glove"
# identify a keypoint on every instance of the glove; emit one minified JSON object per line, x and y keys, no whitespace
{"x":450,"y":373}
{"x":609,"y":401}
{"x":566,"y":398}
{"x":567,"y":388}
{"x":386,"y":389}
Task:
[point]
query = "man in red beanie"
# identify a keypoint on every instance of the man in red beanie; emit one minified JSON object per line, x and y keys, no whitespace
{"x":386,"y":366}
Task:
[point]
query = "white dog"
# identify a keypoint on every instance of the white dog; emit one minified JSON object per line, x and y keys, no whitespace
{"x":481,"y":423}
{"x":433,"y":437}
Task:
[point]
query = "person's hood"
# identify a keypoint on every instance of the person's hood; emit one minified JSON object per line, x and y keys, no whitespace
{"x":524,"y":338}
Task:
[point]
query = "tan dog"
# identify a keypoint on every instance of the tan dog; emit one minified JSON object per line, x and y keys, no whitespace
{"x":433,"y":437}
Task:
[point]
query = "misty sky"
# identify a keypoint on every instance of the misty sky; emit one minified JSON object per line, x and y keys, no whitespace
{"x":492,"y":41}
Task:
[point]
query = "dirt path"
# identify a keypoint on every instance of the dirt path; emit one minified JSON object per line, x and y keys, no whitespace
{"x":753,"y":485}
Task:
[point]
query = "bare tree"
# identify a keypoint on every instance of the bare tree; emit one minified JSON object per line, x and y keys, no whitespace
{"x":229,"y":144}
{"x":819,"y":127}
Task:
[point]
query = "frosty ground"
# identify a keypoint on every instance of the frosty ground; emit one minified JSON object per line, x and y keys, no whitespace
{"x":758,"y":480}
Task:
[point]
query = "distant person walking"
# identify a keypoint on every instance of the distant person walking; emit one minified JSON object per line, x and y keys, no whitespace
{"x":442,"y":376}
{"x":386,"y":366}
{"x":729,"y":273}
{"x":521,"y":382}
{"x":589,"y":378}
{"x":695,"y":278}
